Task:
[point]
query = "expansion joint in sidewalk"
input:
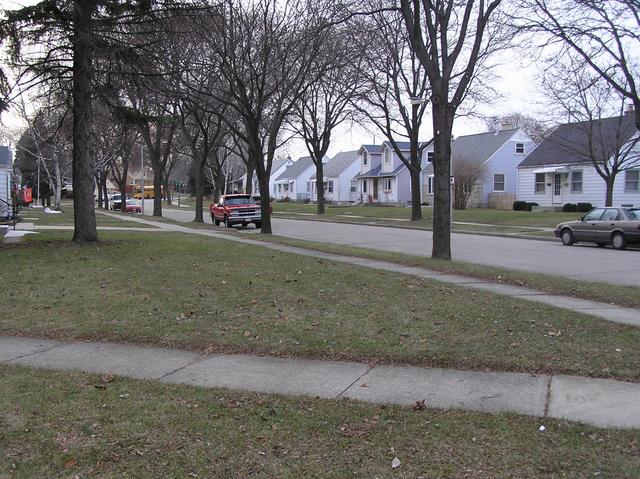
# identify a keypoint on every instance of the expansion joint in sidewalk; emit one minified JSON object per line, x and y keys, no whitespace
{"x":369,"y":369}
{"x":547,"y":397}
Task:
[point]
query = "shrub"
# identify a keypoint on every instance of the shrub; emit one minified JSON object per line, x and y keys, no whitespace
{"x":569,"y":208}
{"x":584,"y":207}
{"x":531,"y":205}
{"x":519,"y":205}
{"x":424,"y":203}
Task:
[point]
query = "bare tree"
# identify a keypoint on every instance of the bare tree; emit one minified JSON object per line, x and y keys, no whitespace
{"x":453,"y":40}
{"x":264,"y":52}
{"x":537,"y":130}
{"x":604,"y":34}
{"x":396,"y":93}
{"x":326,"y":103}
{"x":601,"y":133}
{"x":467,"y":174}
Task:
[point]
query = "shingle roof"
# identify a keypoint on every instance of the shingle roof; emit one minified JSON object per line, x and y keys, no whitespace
{"x":278,"y":163}
{"x":569,"y":142}
{"x":403,"y":145}
{"x":338,"y":164}
{"x":479,"y":146}
{"x":5,"y":156}
{"x":372,"y":148}
{"x":296,"y":169}
{"x":371,"y":173}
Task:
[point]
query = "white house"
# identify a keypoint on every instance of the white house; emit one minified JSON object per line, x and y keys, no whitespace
{"x":368,"y":179}
{"x":499,"y":153}
{"x":5,"y":182}
{"x":277,"y":168}
{"x":292,"y":183}
{"x":561,"y":171}
{"x":339,"y":185}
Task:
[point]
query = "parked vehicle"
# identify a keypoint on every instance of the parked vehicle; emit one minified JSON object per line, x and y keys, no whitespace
{"x":602,"y":226}
{"x":133,"y":206}
{"x":149,"y":192}
{"x":116,"y":201}
{"x":236,"y":209}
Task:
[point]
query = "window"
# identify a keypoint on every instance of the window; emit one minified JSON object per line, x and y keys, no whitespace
{"x":365,"y":157}
{"x":594,"y":215}
{"x":279,"y":188}
{"x":308,"y":187}
{"x":430,"y":185}
{"x":576,"y":182}
{"x":519,"y":148}
{"x":387,"y":155}
{"x":540,"y":183}
{"x":611,"y":214}
{"x":429,"y":156}
{"x":498,"y":182}
{"x":387,"y":184}
{"x":364,"y":186}
{"x":632,"y":180}
{"x":275,"y":188}
{"x":328,"y":187}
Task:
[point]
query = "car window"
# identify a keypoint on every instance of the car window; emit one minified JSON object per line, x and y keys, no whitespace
{"x":238,"y":201}
{"x":611,"y":214}
{"x":633,"y":214}
{"x":594,"y":215}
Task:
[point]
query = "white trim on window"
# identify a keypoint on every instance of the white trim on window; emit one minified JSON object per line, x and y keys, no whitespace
{"x":430,"y":155}
{"x":632,"y":181}
{"x":387,"y":184}
{"x":540,"y":185}
{"x":576,"y":181}
{"x":387,"y":156}
{"x":430,"y":185}
{"x":365,"y":157}
{"x":499,"y":181}
{"x":519,"y":150}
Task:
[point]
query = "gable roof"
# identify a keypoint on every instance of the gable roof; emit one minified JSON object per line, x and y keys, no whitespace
{"x":295,"y":170}
{"x":338,"y":164}
{"x":569,"y":142}
{"x":372,"y":148}
{"x":403,"y":145}
{"x":277,"y":164}
{"x":480,"y":146}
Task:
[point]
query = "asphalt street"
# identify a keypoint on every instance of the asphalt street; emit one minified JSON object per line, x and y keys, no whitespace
{"x":584,"y":262}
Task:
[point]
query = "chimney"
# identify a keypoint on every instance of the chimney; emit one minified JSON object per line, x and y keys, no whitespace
{"x":630,"y":109}
{"x":506,"y":125}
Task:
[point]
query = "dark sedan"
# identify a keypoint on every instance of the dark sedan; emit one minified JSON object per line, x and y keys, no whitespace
{"x":602,"y":226}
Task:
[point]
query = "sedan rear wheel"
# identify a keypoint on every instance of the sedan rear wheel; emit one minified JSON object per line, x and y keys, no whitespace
{"x":567,"y":237}
{"x":618,"y":241}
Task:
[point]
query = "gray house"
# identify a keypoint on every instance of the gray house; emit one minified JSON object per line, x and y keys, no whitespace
{"x":499,"y":154}
{"x":338,"y":178}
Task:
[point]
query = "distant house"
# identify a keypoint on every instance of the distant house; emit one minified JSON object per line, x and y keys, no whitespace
{"x":6,"y":169}
{"x":561,"y":171}
{"x":293,"y":182}
{"x":368,"y":179}
{"x":499,"y":153}
{"x":338,"y":178}
{"x":277,"y":168}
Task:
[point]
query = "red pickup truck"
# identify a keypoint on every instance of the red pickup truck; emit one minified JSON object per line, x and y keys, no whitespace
{"x":236,"y":210}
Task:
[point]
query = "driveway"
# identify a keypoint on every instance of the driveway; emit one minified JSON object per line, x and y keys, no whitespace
{"x":584,"y":262}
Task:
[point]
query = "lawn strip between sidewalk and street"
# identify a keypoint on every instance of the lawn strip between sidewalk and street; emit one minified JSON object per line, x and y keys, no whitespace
{"x":55,"y":424}
{"x":627,"y":296}
{"x":208,"y":295}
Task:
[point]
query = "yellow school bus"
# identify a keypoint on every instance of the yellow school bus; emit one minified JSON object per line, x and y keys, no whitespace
{"x":149,"y":192}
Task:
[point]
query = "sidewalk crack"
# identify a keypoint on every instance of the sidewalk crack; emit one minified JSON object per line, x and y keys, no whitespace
{"x":178,"y":369}
{"x":369,"y":369}
{"x":34,"y":352}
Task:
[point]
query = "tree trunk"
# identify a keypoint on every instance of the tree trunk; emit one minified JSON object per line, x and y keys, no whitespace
{"x":157,"y":196}
{"x":609,"y":194}
{"x":320,"y":185}
{"x":58,"y":189}
{"x":416,"y":208}
{"x":167,"y":190}
{"x":103,"y":188}
{"x":248,"y":188}
{"x":442,"y":190}
{"x":265,"y":205}
{"x":83,"y":50}
{"x":199,"y":185}
{"x":101,"y":198}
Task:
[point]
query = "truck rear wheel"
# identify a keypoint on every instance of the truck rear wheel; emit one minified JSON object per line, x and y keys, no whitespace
{"x":258,"y":224}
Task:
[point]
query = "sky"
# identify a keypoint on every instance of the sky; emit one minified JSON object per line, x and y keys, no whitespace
{"x":515,"y":81}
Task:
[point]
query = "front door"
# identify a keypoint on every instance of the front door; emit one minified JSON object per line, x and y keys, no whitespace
{"x":557,"y":189}
{"x":375,"y":188}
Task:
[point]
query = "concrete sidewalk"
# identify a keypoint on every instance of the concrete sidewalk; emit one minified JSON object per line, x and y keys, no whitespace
{"x":598,"y":402}
{"x":609,"y":312}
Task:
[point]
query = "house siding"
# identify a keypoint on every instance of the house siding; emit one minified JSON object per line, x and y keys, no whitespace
{"x":593,"y":188}
{"x":5,"y":192}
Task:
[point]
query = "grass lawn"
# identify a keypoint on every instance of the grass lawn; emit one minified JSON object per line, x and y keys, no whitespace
{"x":212,"y":295}
{"x":38,"y":217}
{"x":76,"y":425}
{"x":472,"y":215}
{"x":603,"y":292}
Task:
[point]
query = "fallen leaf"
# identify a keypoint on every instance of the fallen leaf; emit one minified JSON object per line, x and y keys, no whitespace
{"x":419,"y":405}
{"x":107,"y":378}
{"x":70,"y":463}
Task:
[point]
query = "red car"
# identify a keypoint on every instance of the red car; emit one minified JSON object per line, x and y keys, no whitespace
{"x":236,"y":210}
{"x":133,"y":206}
